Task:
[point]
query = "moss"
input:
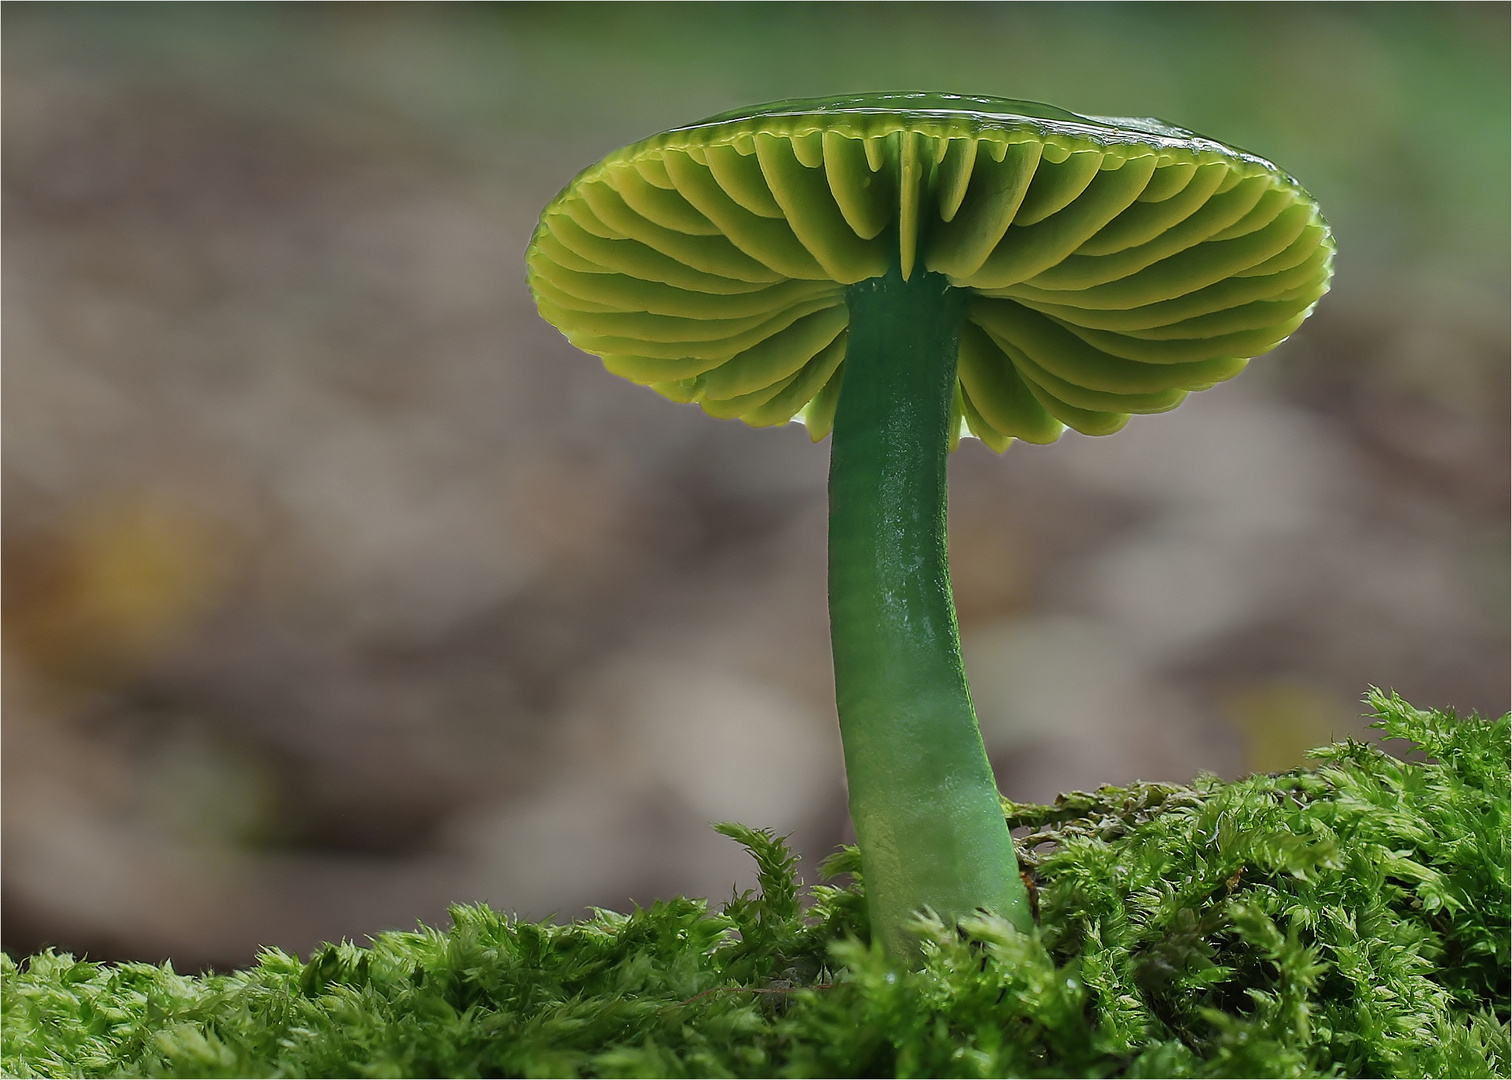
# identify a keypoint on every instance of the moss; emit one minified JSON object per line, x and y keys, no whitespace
{"x":1350,"y":919}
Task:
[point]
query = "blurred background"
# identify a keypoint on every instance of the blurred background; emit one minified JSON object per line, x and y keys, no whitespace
{"x":337,"y":586}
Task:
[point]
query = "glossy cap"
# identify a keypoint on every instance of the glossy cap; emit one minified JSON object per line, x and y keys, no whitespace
{"x":1117,"y":263}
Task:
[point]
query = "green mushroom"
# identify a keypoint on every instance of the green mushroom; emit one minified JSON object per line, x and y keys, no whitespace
{"x":900,"y":270}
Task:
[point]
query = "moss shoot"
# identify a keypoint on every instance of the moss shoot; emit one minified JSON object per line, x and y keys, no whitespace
{"x":1348,"y":919}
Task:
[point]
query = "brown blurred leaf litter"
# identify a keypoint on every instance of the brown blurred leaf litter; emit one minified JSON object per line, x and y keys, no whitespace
{"x":338,"y":588}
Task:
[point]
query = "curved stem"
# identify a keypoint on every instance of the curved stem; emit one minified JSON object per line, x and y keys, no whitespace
{"x":922,"y":796}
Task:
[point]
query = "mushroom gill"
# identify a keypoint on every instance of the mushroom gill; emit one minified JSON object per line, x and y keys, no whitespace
{"x":1115,"y":264}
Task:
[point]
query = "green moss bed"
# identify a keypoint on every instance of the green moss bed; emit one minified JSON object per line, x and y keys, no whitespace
{"x":1347,"y":919}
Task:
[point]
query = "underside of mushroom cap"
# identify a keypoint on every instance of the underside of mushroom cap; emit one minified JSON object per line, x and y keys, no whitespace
{"x":1116,"y":263}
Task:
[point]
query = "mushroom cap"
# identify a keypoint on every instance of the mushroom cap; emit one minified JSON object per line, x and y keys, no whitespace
{"x":1116,"y":263}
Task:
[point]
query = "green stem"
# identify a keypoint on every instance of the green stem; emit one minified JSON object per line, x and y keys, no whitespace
{"x":922,"y":796}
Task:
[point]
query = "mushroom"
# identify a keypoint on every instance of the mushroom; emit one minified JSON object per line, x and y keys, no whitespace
{"x":898,"y":270}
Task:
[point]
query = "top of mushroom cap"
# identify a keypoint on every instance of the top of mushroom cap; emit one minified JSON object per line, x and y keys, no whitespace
{"x":1116,"y":263}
